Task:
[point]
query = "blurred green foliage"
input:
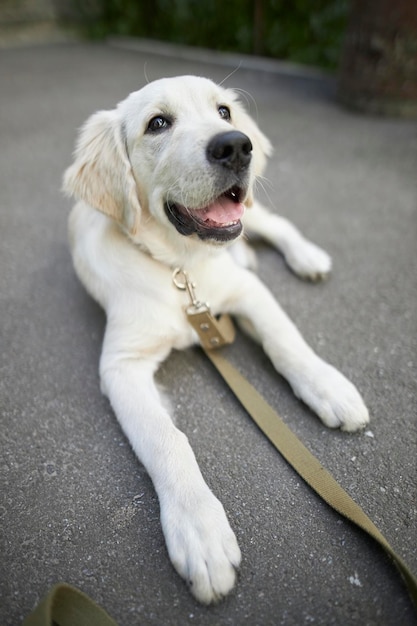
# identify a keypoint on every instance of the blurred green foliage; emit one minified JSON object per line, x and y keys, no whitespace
{"x":304,"y":31}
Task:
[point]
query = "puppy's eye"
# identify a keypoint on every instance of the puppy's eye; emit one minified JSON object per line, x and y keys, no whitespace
{"x":224,"y":113}
{"x":157,"y":123}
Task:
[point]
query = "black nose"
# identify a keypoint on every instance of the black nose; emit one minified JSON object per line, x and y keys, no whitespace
{"x":231,"y":149}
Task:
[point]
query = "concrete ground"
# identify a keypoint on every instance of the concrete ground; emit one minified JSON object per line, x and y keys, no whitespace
{"x":75,"y":504}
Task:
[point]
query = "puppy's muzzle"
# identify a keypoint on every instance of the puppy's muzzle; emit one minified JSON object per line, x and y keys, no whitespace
{"x":232,"y":150}
{"x":220,"y":220}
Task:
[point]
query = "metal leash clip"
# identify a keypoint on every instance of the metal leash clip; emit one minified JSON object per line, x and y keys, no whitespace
{"x":213,"y":332}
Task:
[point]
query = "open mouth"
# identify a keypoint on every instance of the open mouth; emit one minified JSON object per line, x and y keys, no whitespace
{"x":220,"y":220}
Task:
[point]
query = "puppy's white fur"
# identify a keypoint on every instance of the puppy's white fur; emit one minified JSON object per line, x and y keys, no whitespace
{"x":125,"y":249}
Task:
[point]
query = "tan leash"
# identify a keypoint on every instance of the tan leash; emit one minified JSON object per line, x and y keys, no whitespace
{"x":214,"y":333}
{"x":303,"y":461}
{"x":67,"y":606}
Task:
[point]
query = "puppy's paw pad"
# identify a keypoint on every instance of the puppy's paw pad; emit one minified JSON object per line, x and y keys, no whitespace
{"x":202,"y":547}
{"x":212,"y":579}
{"x":334,"y":399}
{"x":309,"y":261}
{"x":349,"y":413}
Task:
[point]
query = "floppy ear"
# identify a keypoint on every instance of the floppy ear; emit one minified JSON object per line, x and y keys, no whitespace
{"x":262,"y":147}
{"x":101,"y":174}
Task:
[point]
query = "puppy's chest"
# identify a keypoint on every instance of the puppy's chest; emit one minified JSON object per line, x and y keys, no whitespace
{"x":170,"y":307}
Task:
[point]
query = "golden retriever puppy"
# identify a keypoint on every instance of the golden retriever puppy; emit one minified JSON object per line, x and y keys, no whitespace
{"x":165,"y":182}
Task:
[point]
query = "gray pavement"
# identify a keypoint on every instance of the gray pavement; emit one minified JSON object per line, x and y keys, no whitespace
{"x":75,"y":505}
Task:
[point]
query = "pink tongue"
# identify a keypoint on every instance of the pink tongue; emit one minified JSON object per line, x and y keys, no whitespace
{"x":223,"y":211}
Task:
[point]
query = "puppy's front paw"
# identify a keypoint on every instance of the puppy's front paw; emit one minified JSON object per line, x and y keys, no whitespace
{"x":201,"y":544}
{"x":308,"y":260}
{"x":333,"y":398}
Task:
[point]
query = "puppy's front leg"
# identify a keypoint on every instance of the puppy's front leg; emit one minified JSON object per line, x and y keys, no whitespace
{"x":323,"y":388}
{"x":200,"y":542}
{"x":304,"y":257}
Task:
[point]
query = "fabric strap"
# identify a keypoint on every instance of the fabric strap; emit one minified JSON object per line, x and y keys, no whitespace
{"x":66,"y":606}
{"x":303,"y":461}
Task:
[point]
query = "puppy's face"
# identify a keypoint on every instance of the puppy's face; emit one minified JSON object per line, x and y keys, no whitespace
{"x":181,"y":152}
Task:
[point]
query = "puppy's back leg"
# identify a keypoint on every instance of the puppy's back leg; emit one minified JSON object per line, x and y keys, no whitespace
{"x":200,"y":542}
{"x":305,"y":258}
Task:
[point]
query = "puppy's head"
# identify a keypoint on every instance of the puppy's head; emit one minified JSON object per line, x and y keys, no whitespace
{"x":181,"y":153}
